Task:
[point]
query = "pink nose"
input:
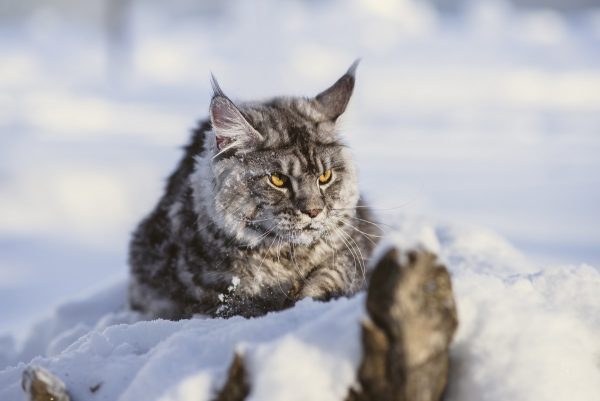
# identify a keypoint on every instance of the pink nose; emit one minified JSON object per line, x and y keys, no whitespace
{"x":312,"y":212}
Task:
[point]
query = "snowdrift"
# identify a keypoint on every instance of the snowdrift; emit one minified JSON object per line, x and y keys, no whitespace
{"x":524,"y":334}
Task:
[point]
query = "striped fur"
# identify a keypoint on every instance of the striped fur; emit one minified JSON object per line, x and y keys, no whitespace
{"x":223,"y":241}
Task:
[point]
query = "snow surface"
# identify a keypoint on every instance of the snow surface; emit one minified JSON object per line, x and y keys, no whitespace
{"x":490,"y":117}
{"x":523,"y":335}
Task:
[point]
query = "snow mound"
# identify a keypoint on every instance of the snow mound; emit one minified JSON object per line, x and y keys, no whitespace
{"x":524,"y":334}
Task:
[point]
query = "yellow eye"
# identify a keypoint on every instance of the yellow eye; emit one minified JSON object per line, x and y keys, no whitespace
{"x":325,"y":177}
{"x":278,"y":180}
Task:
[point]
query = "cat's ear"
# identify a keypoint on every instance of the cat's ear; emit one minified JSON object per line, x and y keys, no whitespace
{"x":231,"y":129}
{"x":332,"y":102}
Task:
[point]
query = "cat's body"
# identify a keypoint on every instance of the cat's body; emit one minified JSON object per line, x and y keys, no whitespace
{"x":262,"y":210}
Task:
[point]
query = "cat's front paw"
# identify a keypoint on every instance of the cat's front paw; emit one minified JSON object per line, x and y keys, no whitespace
{"x":323,"y":287}
{"x":311,"y":289}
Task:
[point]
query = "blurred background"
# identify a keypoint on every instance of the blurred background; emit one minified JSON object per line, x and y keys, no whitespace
{"x":479,"y":112}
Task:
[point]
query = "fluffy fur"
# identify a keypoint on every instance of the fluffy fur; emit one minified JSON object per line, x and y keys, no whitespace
{"x":223,"y":240}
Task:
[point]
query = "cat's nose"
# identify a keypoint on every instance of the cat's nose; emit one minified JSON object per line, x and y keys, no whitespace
{"x":312,"y":212}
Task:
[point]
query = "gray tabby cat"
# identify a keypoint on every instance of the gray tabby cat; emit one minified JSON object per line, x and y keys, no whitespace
{"x":263,"y":210}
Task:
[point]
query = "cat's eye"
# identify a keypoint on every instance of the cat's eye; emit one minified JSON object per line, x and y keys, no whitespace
{"x":278,"y":180}
{"x":325,"y":177}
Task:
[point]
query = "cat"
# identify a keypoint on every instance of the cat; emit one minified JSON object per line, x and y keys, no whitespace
{"x":262,"y":210}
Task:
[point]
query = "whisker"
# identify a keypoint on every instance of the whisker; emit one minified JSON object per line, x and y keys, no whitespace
{"x":378,"y":225}
{"x":247,"y":220}
{"x":259,"y":268}
{"x":350,"y":248}
{"x":334,"y":248}
{"x":293,"y":257}
{"x":376,"y":209}
{"x":265,"y":234}
{"x":254,"y":242}
{"x":277,"y":270}
{"x":357,"y":249}
{"x":364,"y":234}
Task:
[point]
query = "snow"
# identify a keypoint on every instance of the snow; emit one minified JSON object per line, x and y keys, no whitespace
{"x":488,"y":118}
{"x":523,"y":334}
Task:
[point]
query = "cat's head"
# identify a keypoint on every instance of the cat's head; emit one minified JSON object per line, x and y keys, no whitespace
{"x":279,"y":170}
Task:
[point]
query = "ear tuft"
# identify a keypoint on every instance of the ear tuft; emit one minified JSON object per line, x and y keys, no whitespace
{"x":352,"y":70}
{"x":215,"y":86}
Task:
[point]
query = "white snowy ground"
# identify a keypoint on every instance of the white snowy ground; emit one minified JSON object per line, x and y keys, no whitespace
{"x":523,"y":335}
{"x":489,"y":118}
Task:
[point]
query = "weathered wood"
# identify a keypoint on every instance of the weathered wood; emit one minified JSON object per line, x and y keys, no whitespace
{"x":412,"y":319}
{"x":236,"y":386}
{"x":41,"y":385}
